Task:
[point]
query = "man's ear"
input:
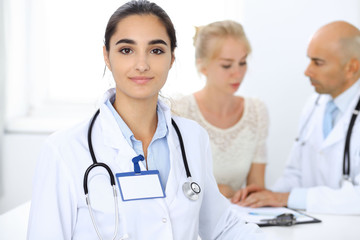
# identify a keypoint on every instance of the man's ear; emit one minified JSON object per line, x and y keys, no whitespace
{"x":353,"y":67}
{"x":106,"y":58}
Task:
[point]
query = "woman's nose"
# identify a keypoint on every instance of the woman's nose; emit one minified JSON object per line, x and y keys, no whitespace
{"x":238,"y":72}
{"x":142,"y":64}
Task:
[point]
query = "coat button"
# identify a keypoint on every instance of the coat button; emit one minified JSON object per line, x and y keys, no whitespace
{"x":164,"y":220}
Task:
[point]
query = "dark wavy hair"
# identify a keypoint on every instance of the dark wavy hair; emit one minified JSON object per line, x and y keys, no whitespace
{"x":140,"y":7}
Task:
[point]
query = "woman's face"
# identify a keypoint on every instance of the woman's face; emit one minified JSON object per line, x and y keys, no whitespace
{"x":139,"y":57}
{"x":226,"y":71}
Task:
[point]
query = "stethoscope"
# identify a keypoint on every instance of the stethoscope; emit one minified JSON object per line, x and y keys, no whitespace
{"x":346,"y":158}
{"x":191,"y":189}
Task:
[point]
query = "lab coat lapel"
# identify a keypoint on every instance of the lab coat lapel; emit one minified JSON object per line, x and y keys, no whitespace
{"x":114,"y":138}
{"x":339,"y":131}
{"x":337,"y":134}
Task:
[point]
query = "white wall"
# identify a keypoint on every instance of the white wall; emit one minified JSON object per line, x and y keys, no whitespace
{"x":2,"y":93}
{"x":279,"y":31}
{"x":19,"y":154}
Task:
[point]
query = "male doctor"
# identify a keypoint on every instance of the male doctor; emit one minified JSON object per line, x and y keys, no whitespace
{"x":315,"y":178}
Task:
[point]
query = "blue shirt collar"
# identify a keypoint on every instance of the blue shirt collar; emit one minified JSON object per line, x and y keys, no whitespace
{"x":161,"y":129}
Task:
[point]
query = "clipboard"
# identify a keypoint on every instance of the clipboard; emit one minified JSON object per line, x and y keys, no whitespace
{"x":256,"y":215}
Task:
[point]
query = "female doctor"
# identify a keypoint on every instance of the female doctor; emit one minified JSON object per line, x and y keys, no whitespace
{"x":162,"y":170}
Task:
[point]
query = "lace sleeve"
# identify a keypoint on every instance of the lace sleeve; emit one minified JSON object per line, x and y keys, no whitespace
{"x":262,"y":133}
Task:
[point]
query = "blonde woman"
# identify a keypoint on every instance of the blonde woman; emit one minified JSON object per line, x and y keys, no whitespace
{"x":237,"y":125}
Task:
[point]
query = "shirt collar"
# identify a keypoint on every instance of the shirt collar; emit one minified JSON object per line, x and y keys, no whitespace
{"x":127,"y":133}
{"x":343,"y":100}
{"x":161,"y":129}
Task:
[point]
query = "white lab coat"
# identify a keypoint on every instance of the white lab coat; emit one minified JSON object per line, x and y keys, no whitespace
{"x":59,"y":210}
{"x":317,"y":164}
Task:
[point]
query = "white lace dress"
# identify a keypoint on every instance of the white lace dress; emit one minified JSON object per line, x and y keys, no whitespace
{"x":234,"y":148}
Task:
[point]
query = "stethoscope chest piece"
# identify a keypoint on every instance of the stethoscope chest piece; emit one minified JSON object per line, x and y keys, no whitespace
{"x":191,"y":190}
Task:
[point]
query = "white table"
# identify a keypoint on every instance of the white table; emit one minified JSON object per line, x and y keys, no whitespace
{"x":13,"y":225}
{"x":332,"y":227}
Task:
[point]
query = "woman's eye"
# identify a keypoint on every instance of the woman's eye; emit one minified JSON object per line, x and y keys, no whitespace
{"x":226,"y":66}
{"x":242,"y":63}
{"x":157,"y":51}
{"x":125,"y":51}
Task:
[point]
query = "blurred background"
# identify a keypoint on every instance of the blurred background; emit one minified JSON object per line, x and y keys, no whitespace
{"x":51,"y":69}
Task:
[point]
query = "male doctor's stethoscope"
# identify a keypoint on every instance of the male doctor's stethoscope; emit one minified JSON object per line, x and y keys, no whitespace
{"x":346,"y":159}
{"x":191,"y":189}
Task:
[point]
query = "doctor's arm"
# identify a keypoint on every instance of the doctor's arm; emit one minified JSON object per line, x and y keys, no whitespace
{"x":288,"y":192}
{"x":319,"y":199}
{"x":345,"y":200}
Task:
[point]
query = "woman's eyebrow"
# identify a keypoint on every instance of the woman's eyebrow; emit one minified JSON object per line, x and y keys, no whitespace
{"x":125,"y":40}
{"x":157,"y":41}
{"x":130,"y":41}
{"x":226,"y":59}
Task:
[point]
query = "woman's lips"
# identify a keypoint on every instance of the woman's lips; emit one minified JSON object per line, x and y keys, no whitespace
{"x":140,"y":79}
{"x":235,"y":85}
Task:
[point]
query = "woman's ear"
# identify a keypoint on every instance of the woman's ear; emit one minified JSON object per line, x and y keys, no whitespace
{"x":106,"y":58}
{"x":172,"y":59}
{"x":201,"y":66}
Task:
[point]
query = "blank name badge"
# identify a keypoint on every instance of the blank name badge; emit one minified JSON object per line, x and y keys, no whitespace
{"x":138,"y":186}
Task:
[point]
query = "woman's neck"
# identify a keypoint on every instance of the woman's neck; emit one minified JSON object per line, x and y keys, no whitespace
{"x":220,"y":110}
{"x":216,"y":102}
{"x":140,"y":116}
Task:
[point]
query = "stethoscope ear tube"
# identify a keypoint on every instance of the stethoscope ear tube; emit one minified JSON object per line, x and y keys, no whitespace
{"x":188,"y":174}
{"x":86,"y":175}
{"x":112,"y":182}
{"x":89,"y":136}
{"x":95,"y":163}
{"x":346,"y":160}
{"x":299,"y":138}
{"x":191,"y":189}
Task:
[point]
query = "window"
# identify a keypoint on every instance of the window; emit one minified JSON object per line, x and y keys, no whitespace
{"x":55,"y":62}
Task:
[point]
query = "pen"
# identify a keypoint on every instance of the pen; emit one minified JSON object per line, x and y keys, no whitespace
{"x":262,"y":214}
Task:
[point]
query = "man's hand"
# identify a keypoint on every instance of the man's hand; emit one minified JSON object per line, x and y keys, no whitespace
{"x":265,"y":198}
{"x":240,"y":195}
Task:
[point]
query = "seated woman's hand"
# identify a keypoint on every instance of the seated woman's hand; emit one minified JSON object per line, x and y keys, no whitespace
{"x":240,"y":195}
